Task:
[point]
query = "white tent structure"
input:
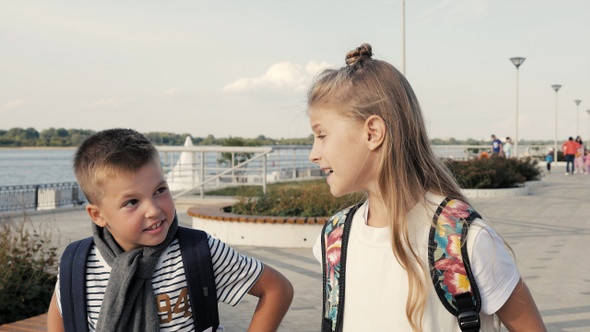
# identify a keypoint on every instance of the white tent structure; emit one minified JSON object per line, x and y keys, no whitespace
{"x":183,"y":174}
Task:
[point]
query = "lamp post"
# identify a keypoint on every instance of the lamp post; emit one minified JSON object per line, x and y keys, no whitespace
{"x":588,"y":135}
{"x":404,"y":37}
{"x":555,"y":87}
{"x":578,"y":101}
{"x":517,"y":61}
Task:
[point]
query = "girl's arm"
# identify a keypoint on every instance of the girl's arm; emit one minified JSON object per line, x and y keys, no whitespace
{"x":54,"y":321}
{"x":520,"y":313}
{"x":275,"y":294}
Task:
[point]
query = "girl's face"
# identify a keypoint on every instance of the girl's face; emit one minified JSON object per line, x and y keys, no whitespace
{"x":341,"y":150}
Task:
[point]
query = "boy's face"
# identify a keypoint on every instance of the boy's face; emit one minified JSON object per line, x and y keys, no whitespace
{"x":137,"y":208}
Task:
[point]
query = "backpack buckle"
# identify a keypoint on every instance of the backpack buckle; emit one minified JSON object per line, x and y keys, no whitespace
{"x":469,"y":321}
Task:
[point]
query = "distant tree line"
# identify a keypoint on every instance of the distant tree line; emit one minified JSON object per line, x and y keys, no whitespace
{"x":60,"y":137}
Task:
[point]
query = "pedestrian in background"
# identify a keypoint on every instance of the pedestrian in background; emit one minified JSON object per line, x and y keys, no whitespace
{"x":549,"y":159}
{"x":570,"y":148}
{"x":496,"y":147}
{"x":507,"y":147}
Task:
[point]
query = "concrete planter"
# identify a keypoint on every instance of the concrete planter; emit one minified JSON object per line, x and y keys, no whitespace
{"x":504,"y":192}
{"x":264,"y":231}
{"x":290,"y":232}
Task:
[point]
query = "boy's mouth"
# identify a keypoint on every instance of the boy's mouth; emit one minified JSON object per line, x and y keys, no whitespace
{"x":155,"y":226}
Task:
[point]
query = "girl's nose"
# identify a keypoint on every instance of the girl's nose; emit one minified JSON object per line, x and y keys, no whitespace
{"x":314,"y":156}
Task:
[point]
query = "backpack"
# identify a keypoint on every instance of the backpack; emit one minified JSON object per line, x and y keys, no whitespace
{"x":452,"y":219}
{"x":200,"y":280}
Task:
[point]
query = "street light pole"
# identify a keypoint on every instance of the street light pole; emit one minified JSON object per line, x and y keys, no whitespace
{"x":517,"y":61}
{"x":578,"y":101}
{"x":555,"y":87}
{"x":404,"y":37}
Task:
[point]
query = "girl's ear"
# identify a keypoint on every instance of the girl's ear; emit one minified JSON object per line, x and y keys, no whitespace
{"x":375,"y":129}
{"x":96,"y":215}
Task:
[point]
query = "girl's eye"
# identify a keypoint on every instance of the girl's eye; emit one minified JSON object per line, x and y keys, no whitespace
{"x":320,"y":136}
{"x":131,"y":202}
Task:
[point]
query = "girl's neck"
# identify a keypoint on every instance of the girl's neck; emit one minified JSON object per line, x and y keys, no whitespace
{"x":377,"y":214}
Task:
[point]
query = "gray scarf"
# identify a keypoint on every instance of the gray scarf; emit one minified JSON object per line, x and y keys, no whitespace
{"x":129,"y":303}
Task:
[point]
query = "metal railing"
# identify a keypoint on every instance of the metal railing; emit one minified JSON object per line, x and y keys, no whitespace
{"x":199,"y":168}
{"x":40,"y":196}
{"x":466,"y":152}
{"x":192,"y":168}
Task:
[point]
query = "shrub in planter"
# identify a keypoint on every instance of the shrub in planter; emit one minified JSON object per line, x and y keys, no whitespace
{"x":490,"y":173}
{"x":26,"y":279}
{"x":296,"y":199}
{"x":313,"y":198}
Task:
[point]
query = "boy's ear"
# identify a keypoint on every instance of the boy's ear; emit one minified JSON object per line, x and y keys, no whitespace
{"x":95,"y":215}
{"x":375,"y":129}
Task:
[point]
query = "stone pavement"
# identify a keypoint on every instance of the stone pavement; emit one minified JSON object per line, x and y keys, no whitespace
{"x":548,"y":230}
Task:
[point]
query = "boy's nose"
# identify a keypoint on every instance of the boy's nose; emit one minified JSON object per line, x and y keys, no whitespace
{"x":153,"y":210}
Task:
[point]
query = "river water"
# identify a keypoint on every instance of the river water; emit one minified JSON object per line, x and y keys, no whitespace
{"x":35,"y":166}
{"x":31,"y":166}
{"x":42,"y":166}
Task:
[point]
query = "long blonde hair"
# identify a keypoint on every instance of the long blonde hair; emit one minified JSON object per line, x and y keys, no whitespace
{"x":408,"y":169}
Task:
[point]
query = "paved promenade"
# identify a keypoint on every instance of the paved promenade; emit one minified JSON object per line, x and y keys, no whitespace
{"x":549,"y":230}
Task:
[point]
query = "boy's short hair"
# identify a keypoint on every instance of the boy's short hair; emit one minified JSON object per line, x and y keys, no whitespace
{"x":107,"y":153}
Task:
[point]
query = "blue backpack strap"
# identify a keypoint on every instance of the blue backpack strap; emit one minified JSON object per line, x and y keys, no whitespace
{"x":72,"y":285}
{"x":449,"y":263}
{"x":334,"y":240}
{"x":198,"y":268}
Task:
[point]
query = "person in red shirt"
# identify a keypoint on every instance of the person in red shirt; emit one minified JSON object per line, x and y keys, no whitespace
{"x":570,"y":147}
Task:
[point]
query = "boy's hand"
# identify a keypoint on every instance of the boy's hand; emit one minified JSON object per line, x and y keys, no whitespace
{"x":275,"y":294}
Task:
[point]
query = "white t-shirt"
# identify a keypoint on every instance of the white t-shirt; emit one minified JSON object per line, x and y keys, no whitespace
{"x":234,"y":274}
{"x":376,"y":287}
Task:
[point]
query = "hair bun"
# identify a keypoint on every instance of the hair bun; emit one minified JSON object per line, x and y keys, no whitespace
{"x":365,"y":51}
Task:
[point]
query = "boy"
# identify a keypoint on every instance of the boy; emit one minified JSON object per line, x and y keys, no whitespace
{"x":135,"y":277}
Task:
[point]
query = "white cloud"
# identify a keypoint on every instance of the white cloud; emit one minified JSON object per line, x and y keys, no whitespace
{"x":171,"y":92}
{"x":13,"y":104}
{"x":280,"y":76}
{"x":452,"y":9}
{"x":109,"y":102}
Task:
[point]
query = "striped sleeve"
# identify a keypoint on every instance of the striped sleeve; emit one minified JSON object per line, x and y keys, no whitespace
{"x":234,"y":272}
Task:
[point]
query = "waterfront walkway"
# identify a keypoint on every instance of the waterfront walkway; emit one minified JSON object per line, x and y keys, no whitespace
{"x":548,"y":230}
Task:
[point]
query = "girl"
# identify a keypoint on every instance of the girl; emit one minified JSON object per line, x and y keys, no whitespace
{"x":579,"y":158}
{"x":370,"y":136}
{"x":587,"y":161}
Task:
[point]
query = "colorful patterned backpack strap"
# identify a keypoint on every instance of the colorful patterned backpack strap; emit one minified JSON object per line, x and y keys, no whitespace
{"x":334,"y":240}
{"x":449,"y":263}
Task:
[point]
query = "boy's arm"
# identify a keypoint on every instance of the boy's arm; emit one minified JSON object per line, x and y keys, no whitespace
{"x":520,"y":313}
{"x":275,"y":294}
{"x":54,"y":321}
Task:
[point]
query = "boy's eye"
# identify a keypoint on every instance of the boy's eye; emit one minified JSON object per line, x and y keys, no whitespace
{"x":161,"y":190}
{"x":131,"y":202}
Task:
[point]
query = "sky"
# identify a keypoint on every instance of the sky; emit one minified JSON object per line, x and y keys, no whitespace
{"x":239,"y":68}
